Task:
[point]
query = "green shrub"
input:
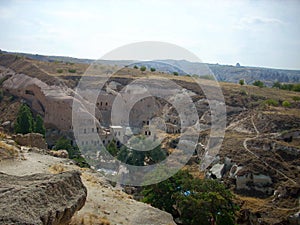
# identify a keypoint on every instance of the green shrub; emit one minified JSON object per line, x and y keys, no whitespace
{"x":175,"y":74}
{"x":296,"y":98}
{"x":143,"y":68}
{"x":242,"y":82}
{"x":59,"y":70}
{"x":135,"y":67}
{"x":152,"y":69}
{"x":258,"y":83}
{"x":72,"y":71}
{"x":271,"y":102}
{"x":286,"y":104}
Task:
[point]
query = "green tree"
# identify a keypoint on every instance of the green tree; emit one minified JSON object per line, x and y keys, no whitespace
{"x":258,"y":83}
{"x":73,"y":151}
{"x":196,"y":201}
{"x":39,"y":126}
{"x":112,"y":148}
{"x":152,"y":69}
{"x":135,"y":67}
{"x":143,"y":68}
{"x":277,"y":84}
{"x":242,"y":82}
{"x":24,"y":123}
{"x":175,"y":73}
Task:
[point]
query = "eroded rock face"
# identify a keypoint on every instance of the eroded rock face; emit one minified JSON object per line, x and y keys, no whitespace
{"x":40,"y":198}
{"x":31,"y":140}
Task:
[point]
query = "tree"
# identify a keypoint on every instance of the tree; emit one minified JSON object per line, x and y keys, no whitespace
{"x":73,"y":151}
{"x":175,"y":73}
{"x":39,"y":126}
{"x":143,"y":68}
{"x":196,"y":201}
{"x":277,"y":84}
{"x":24,"y":123}
{"x":242,"y":82}
{"x":112,"y":148}
{"x":135,"y":67}
{"x":152,"y":69}
{"x":258,"y":83}
{"x":137,"y":155}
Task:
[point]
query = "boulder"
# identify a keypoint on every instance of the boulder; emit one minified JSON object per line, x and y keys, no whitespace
{"x":40,"y":198}
{"x":31,"y":139}
{"x":59,"y":153}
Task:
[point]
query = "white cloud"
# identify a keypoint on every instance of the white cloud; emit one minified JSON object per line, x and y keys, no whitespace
{"x":256,"y":22}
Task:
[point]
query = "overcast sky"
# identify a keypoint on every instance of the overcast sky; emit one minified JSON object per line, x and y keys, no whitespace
{"x":253,"y":33}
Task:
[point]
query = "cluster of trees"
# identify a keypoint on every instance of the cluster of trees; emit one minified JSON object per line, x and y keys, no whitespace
{"x":277,"y":84}
{"x":192,"y":200}
{"x":137,"y":157}
{"x":289,"y":87}
{"x":144,"y":68}
{"x":26,"y":123}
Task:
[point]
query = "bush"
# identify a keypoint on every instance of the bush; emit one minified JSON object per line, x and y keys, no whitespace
{"x":258,"y":83}
{"x":272,"y":102}
{"x":135,"y":67}
{"x":143,"y":68}
{"x":59,"y":70}
{"x":152,"y":69}
{"x":286,"y":104}
{"x":242,"y":82}
{"x":72,"y":71}
{"x":175,"y":74}
{"x":296,"y":98}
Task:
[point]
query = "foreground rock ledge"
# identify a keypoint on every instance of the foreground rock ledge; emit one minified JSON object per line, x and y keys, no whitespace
{"x":40,"y":198}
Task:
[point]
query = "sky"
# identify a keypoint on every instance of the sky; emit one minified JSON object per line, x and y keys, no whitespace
{"x":253,"y":33}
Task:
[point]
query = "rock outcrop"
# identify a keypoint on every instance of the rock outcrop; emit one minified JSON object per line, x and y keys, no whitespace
{"x":31,"y":140}
{"x":40,"y":198}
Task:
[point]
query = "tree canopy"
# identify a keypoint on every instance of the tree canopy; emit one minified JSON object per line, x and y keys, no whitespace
{"x":194,"y":201}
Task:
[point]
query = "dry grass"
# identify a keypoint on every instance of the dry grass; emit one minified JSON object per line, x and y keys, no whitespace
{"x":91,"y":178}
{"x":8,"y":151}
{"x":89,"y":219}
{"x":57,"y":168}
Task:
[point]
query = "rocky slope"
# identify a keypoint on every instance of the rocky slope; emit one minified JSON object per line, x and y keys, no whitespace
{"x":53,"y":199}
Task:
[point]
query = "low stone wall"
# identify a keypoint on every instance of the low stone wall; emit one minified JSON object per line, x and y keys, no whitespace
{"x":31,"y":139}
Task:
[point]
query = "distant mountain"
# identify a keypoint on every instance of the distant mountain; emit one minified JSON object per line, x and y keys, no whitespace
{"x":225,"y":73}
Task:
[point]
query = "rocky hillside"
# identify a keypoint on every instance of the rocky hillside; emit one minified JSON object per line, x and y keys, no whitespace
{"x":258,"y":158}
{"x":225,"y":73}
{"x":31,"y":194}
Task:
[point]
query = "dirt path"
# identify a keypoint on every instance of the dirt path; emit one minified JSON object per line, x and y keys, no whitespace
{"x":258,"y":157}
